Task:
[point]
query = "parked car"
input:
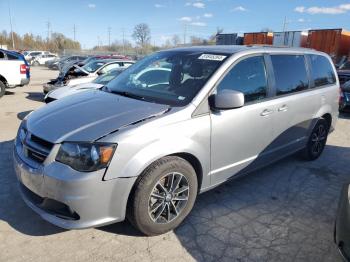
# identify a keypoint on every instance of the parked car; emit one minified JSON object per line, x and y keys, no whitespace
{"x":14,"y":70}
{"x":344,"y":80}
{"x":344,"y":100}
{"x":87,"y":73}
{"x":145,"y":75}
{"x":30,"y":55}
{"x":342,"y":224}
{"x":42,"y":59}
{"x":98,"y":83}
{"x":345,"y":66}
{"x":143,"y":150}
{"x":69,"y":60}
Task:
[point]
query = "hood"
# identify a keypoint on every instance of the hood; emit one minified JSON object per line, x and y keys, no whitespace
{"x":70,"y":90}
{"x":87,"y":116}
{"x":81,"y":80}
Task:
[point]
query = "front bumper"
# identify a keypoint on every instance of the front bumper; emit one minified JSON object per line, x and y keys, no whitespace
{"x":55,"y":189}
{"x":342,"y":224}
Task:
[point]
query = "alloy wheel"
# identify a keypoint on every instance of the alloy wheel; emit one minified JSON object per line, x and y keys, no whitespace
{"x":318,"y":139}
{"x":168,"y":198}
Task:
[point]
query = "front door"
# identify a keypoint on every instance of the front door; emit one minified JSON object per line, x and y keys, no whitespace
{"x":240,"y":136}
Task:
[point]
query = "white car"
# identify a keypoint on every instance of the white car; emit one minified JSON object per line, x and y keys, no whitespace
{"x":76,"y":75}
{"x":14,"y":71}
{"x":42,"y":59}
{"x":30,"y":55}
{"x":99,"y":82}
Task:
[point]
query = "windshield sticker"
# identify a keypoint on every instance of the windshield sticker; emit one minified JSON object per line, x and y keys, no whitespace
{"x":212,"y":57}
{"x":181,"y":98}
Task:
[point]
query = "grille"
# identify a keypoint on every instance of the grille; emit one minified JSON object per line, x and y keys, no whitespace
{"x":36,"y":148}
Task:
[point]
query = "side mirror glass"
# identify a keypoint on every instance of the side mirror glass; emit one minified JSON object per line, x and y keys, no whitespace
{"x":226,"y":99}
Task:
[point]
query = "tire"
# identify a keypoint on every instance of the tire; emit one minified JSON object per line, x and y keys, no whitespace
{"x":36,"y":63}
{"x":172,"y":207}
{"x":2,"y":89}
{"x":317,"y":141}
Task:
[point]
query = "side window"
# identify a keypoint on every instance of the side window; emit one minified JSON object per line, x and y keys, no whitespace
{"x":109,"y":67}
{"x":322,"y":71}
{"x":248,"y":77}
{"x":290,"y":73}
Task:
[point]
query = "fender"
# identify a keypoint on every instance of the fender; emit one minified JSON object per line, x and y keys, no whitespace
{"x":137,"y":151}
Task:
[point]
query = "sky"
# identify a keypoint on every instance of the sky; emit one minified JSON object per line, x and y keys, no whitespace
{"x":93,"y":19}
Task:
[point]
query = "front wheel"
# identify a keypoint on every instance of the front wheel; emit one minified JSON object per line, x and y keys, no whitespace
{"x":317,"y":140}
{"x":163,"y":196}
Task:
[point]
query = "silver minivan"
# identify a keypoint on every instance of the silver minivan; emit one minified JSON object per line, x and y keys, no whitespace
{"x":143,"y":148}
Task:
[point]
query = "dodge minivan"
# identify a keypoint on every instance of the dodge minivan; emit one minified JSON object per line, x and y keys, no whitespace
{"x":144,"y":148}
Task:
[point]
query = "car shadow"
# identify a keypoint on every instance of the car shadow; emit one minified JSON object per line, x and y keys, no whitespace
{"x":270,"y":214}
{"x":9,"y":93}
{"x":35,"y":96}
{"x":13,"y":210}
{"x":22,"y":115}
{"x":344,"y":115}
{"x":283,"y":212}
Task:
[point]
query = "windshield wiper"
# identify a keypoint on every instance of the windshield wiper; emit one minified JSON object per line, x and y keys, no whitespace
{"x":127,"y":94}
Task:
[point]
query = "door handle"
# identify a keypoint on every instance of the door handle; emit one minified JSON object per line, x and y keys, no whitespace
{"x":283,"y":108}
{"x":266,"y":112}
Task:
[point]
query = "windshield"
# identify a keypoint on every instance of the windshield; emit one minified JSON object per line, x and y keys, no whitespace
{"x":345,"y":66}
{"x":106,"y":78}
{"x":170,"y":77}
{"x":93,"y":66}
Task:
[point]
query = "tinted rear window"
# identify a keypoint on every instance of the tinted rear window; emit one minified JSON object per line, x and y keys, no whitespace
{"x":290,"y":73}
{"x":322,"y":71}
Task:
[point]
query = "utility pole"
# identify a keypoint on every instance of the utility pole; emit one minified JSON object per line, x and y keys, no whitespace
{"x":123,"y":41}
{"x":74,"y":31}
{"x":284,"y":24}
{"x":13,"y":39}
{"x":48,"y":24}
{"x":185,"y":32}
{"x":109,"y":36}
{"x":98,"y":41}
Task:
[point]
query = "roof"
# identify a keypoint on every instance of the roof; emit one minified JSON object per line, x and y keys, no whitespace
{"x":106,"y":61}
{"x":232,"y":49}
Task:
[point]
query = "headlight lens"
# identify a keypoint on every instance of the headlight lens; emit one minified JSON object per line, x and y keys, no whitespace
{"x":86,"y":157}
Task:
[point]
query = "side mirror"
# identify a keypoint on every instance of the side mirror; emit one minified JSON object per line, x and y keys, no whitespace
{"x":100,"y":72}
{"x":226,"y":99}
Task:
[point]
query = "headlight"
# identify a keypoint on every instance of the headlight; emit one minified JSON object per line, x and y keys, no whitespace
{"x":86,"y":157}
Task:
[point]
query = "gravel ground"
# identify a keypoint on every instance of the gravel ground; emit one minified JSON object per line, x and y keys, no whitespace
{"x":284,"y":212}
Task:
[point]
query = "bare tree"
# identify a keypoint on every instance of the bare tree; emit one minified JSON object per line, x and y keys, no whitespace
{"x":142,"y":34}
{"x":175,"y":40}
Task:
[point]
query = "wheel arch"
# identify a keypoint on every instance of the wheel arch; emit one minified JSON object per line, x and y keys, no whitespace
{"x":3,"y":79}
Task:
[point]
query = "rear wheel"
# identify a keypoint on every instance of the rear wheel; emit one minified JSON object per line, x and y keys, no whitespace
{"x":163,"y":196}
{"x":317,"y":140}
{"x":2,"y":89}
